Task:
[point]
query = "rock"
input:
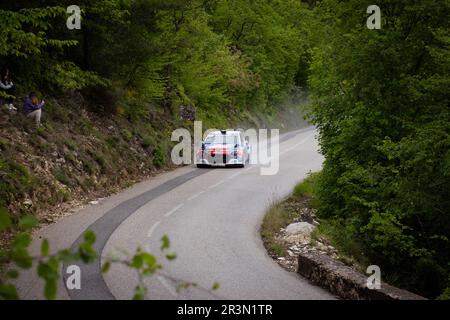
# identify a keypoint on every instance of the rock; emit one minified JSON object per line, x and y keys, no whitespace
{"x":321,"y":246}
{"x":28,"y":203}
{"x":299,"y":227}
{"x":300,"y":238}
{"x":93,"y":202}
{"x":299,"y":233}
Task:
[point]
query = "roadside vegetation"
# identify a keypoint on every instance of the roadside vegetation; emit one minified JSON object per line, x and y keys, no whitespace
{"x":380,"y":103}
{"x":338,"y":233}
{"x":282,"y":213}
{"x":114,"y":90}
{"x":47,"y":263}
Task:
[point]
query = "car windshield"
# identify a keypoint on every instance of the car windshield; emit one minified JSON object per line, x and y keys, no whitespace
{"x":222,"y":139}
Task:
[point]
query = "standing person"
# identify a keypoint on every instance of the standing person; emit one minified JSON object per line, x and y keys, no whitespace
{"x":33,"y":108}
{"x":7,"y":86}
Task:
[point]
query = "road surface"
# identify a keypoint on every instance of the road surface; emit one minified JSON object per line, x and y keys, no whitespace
{"x":212,"y":217}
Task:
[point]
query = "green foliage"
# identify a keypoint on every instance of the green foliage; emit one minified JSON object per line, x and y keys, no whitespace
{"x":16,"y":38}
{"x":17,"y":257}
{"x":380,"y":101}
{"x":343,"y":236}
{"x":278,"y":249}
{"x":446,"y":294}
{"x":5,"y":221}
{"x":218,"y":57}
{"x":148,"y":141}
{"x":66,"y":76}
{"x":62,"y":177}
{"x":276,"y":217}
{"x":306,"y":187}
{"x":159,"y":158}
{"x":268,"y":34}
{"x":16,"y":181}
{"x":127,"y":135}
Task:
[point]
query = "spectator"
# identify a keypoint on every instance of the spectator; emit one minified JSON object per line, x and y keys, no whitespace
{"x":8,"y":87}
{"x":33,"y":108}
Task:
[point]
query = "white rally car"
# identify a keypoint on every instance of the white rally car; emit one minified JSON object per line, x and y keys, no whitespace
{"x":224,"y":148}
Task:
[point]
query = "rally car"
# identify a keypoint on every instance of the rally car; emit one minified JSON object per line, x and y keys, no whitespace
{"x":224,"y":148}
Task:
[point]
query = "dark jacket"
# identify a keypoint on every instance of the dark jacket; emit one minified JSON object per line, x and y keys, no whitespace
{"x":30,"y":107}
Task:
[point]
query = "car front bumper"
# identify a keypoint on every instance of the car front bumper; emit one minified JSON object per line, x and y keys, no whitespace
{"x":220,"y":161}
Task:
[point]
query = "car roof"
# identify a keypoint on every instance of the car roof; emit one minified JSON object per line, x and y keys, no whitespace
{"x":224,"y":132}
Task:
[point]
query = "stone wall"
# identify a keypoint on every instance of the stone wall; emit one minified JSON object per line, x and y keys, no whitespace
{"x":344,"y":281}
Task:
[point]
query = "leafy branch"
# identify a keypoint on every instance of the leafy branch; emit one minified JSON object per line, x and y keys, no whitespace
{"x":17,"y":258}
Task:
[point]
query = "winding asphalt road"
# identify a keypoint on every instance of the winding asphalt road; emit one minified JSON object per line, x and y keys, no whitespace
{"x":212,"y":217}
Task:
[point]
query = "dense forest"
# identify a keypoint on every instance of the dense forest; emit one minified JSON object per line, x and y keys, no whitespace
{"x":380,"y":98}
{"x":214,"y":55}
{"x":381,"y":103}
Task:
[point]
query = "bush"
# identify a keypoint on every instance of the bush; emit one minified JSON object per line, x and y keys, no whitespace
{"x":306,"y":187}
{"x":16,"y":181}
{"x":445,"y":294}
{"x":127,"y":135}
{"x":159,"y":158}
{"x":61,"y":176}
{"x":148,"y":141}
{"x":384,"y":132}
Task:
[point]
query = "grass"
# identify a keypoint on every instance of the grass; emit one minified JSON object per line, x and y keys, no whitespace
{"x":148,"y":141}
{"x":15,"y":181}
{"x":281,"y":214}
{"x":305,"y":188}
{"x":59,"y":197}
{"x":61,"y":176}
{"x":127,"y":135}
{"x":277,"y":217}
{"x":159,"y":158}
{"x":70,"y":144}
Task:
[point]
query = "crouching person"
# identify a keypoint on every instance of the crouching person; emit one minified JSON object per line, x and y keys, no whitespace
{"x":33,"y":108}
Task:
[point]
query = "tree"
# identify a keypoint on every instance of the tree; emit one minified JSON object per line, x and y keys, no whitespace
{"x":381,"y":105}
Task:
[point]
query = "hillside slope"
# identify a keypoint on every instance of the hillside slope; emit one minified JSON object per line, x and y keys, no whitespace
{"x":79,"y":155}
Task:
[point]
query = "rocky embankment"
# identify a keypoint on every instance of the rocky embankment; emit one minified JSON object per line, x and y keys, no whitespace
{"x":314,"y":258}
